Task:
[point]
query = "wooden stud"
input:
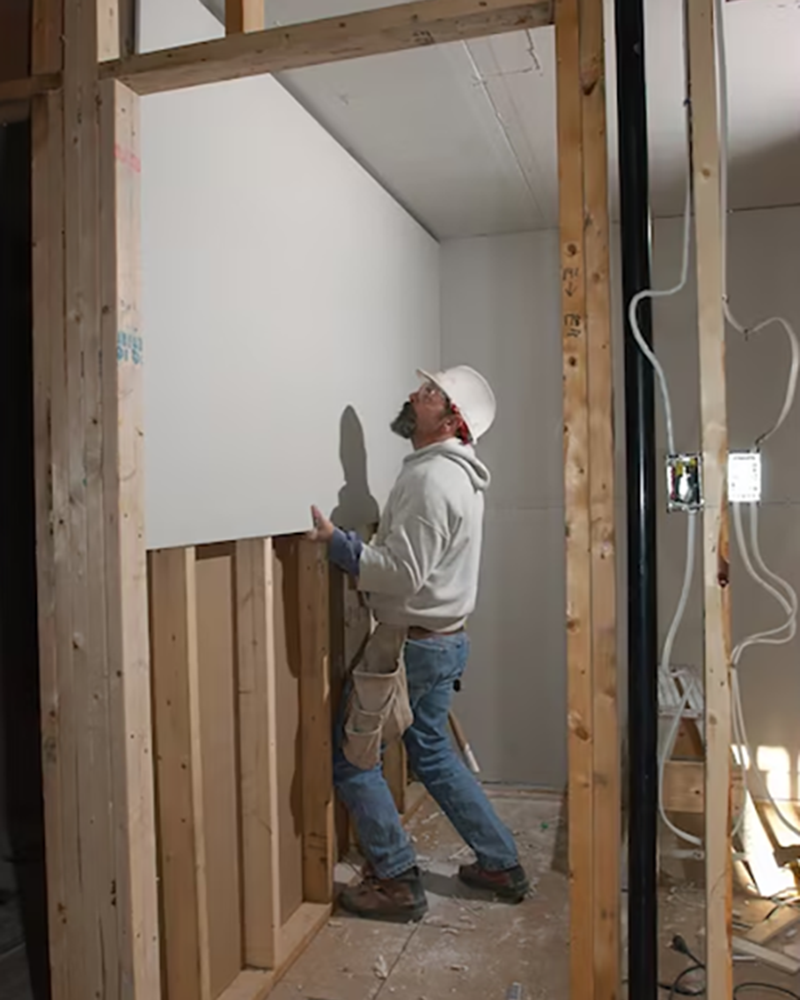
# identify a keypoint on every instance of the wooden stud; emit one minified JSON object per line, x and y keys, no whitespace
{"x":257,"y":696}
{"x":94,"y":940}
{"x":713,"y":411}
{"x":47,"y":48}
{"x":315,"y":722}
{"x":52,"y":527}
{"x":219,"y":744}
{"x":580,"y":719}
{"x":119,"y":456}
{"x":372,"y":32}
{"x":176,"y":700}
{"x":395,"y":771}
{"x":115,"y":24}
{"x":600,"y":400}
{"x":243,"y":16}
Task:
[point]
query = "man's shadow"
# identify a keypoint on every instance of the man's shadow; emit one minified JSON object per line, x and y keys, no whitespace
{"x":357,"y":509}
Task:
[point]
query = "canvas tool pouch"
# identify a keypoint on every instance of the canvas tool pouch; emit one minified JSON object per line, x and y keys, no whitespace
{"x":378,"y":712}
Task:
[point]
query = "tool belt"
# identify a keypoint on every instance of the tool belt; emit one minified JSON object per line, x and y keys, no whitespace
{"x":378,"y":711}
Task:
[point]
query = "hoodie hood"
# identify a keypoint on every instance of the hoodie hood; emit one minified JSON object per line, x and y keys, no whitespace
{"x":454,"y":451}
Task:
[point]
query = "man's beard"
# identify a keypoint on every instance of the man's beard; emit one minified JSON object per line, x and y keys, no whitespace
{"x":405,"y":423}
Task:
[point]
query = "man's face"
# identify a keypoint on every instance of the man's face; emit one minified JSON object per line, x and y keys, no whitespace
{"x":425,"y":415}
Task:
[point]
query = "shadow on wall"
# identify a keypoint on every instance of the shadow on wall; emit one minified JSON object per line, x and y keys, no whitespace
{"x":357,"y":509}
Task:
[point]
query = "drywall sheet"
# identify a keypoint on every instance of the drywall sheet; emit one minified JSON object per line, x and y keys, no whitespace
{"x":501,"y":313}
{"x":287,"y":301}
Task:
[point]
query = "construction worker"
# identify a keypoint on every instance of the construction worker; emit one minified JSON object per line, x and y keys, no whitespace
{"x":421,"y":572}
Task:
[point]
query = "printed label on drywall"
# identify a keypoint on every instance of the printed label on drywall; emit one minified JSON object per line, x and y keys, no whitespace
{"x":130,"y":347}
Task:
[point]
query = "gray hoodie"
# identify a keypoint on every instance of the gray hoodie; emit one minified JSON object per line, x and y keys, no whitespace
{"x":422,"y":566}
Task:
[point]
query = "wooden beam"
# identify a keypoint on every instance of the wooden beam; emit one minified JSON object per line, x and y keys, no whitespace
{"x":580,"y":717}
{"x":315,"y":722}
{"x":684,"y":787}
{"x":600,"y":400}
{"x":176,"y":701}
{"x":257,"y":695}
{"x":14,"y":91}
{"x":713,"y":412}
{"x":244,"y":16}
{"x":374,"y":32}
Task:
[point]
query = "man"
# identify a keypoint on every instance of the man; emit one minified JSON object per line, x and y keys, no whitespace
{"x":421,"y":573}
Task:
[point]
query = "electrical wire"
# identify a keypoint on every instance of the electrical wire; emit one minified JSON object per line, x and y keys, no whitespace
{"x":769,"y":987}
{"x":791,"y":387}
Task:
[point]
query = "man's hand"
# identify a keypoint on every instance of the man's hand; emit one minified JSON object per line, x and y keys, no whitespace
{"x":323,"y":528}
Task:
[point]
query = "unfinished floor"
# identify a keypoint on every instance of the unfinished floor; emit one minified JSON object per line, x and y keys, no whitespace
{"x":476,"y":949}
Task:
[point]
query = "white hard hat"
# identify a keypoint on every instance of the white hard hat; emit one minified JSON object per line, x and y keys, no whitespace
{"x":470,"y":393}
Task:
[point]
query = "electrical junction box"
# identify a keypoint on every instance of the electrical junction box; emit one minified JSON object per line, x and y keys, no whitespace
{"x":684,"y":482}
{"x":744,"y":477}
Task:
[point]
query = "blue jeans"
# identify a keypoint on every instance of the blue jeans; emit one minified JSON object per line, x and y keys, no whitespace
{"x":433,"y":665}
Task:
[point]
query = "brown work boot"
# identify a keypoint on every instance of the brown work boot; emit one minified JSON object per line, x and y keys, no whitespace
{"x":400,"y":899}
{"x":511,"y":885}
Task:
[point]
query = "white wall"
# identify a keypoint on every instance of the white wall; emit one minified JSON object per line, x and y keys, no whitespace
{"x":281,"y":285}
{"x":500,"y":313}
{"x":500,"y":308}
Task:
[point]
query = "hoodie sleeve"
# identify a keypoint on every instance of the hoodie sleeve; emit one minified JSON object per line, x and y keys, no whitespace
{"x":413,"y":547}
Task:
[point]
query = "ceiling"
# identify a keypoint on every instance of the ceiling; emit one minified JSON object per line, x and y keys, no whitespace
{"x":464,"y":134}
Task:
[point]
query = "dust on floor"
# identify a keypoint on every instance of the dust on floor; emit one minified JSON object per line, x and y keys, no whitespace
{"x":473,"y":948}
{"x":468,"y":945}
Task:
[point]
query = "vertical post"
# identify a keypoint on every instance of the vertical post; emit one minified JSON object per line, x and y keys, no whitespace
{"x":257,"y":695}
{"x":315,"y":722}
{"x":713,"y":412}
{"x":395,"y":770}
{"x":593,"y":734}
{"x":116,"y":21}
{"x":600,"y":401}
{"x":115,"y":441}
{"x":47,"y":28}
{"x":98,"y":767}
{"x":176,"y":703}
{"x":244,"y":15}
{"x":47,"y":131}
{"x":641,"y":490}
{"x":576,"y":499}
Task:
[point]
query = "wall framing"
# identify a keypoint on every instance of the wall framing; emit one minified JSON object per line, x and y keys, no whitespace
{"x":82,"y":97}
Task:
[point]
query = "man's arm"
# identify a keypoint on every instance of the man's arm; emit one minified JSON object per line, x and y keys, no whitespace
{"x":402,"y":563}
{"x":344,"y":550}
{"x":344,"y":547}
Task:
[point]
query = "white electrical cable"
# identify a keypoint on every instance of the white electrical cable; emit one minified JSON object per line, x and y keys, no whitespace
{"x":772,"y":636}
{"x":652,"y":293}
{"x":686,"y":678}
{"x":791,"y":386}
